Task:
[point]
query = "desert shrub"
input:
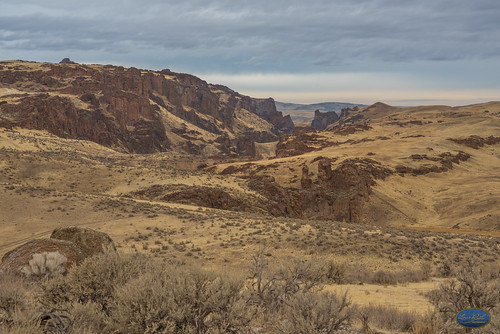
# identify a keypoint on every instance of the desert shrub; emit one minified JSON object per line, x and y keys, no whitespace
{"x":383,"y":277}
{"x":54,"y":321}
{"x":24,"y":323}
{"x":45,"y":265}
{"x":426,"y":269}
{"x":336,"y":272}
{"x":445,"y":268}
{"x":357,"y":275}
{"x":470,"y":289}
{"x":428,"y":324}
{"x":94,"y":280}
{"x":272,"y":289}
{"x":180,"y":302}
{"x":316,"y":313}
{"x":390,"y":318}
{"x":14,"y":297}
{"x":87,"y":318}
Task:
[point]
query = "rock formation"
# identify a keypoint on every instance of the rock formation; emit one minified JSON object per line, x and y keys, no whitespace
{"x":74,"y":243}
{"x":322,"y":120}
{"x":16,"y":259}
{"x":90,"y":241}
{"x":67,"y":61}
{"x":134,"y":110}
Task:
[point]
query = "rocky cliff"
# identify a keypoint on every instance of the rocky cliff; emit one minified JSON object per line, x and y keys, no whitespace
{"x":134,"y":110}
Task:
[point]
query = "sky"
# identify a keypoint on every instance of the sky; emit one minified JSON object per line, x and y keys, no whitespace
{"x":399,"y":52}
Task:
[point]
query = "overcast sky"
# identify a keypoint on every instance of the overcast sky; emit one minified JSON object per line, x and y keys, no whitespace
{"x":402,"y":52}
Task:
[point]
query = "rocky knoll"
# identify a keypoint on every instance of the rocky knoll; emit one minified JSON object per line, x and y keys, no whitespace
{"x":133,"y":110}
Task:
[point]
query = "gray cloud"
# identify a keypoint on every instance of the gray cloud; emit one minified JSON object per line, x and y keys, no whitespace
{"x":276,"y":33}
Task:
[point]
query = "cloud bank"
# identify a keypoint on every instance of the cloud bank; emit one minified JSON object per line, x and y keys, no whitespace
{"x":228,"y":37}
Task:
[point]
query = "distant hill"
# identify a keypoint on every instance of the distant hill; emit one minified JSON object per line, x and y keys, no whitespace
{"x":305,"y":112}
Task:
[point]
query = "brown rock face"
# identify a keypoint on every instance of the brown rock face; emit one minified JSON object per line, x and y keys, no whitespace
{"x":339,"y":194}
{"x":59,"y":116}
{"x":194,"y":195}
{"x":324,"y":170}
{"x":126,"y":108}
{"x":476,"y":142}
{"x":305,"y":180}
{"x":298,"y":143}
{"x":245,"y":145}
{"x":67,"y":61}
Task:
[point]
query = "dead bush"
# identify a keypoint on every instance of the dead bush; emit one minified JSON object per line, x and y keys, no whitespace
{"x":470,"y":289}
{"x":271,"y":289}
{"x":336,"y":272}
{"x":390,"y":318}
{"x":429,"y":324}
{"x":384,"y":277}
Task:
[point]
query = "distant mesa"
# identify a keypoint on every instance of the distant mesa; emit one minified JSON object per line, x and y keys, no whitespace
{"x":67,"y":61}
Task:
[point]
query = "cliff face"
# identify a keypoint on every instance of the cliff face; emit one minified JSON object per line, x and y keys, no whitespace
{"x":134,"y":110}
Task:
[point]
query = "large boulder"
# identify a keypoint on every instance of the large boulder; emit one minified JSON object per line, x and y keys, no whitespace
{"x":71,"y":244}
{"x":19,"y":257}
{"x":90,"y":242}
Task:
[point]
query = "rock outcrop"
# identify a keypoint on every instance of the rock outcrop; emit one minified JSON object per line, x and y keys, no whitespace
{"x":322,"y":120}
{"x":67,"y":61}
{"x":16,"y":259}
{"x":90,"y":241}
{"x":338,"y":194}
{"x":60,"y":116}
{"x":476,"y":142}
{"x":74,"y":243}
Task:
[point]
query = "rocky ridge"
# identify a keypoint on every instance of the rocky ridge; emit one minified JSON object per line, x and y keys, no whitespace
{"x":135,"y":111}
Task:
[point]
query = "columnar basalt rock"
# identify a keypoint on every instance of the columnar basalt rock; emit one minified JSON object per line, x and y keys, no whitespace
{"x":305,"y":180}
